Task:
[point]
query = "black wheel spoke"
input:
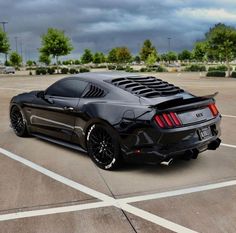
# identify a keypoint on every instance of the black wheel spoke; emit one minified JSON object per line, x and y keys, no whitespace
{"x":101,"y":145}
{"x":17,"y":120}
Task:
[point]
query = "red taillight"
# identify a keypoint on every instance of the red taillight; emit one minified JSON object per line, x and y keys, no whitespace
{"x":175,"y":118}
{"x":159,"y":121}
{"x":167,"y":120}
{"x":213,"y":109}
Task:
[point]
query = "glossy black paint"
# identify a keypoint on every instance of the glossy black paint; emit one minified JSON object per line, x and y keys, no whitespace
{"x":69,"y":118}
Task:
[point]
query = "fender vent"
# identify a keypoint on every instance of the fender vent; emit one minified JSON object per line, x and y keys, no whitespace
{"x":94,"y":92}
{"x":149,"y":87}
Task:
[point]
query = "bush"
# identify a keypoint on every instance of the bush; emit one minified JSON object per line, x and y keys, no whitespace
{"x":41,"y":71}
{"x":154,"y":69}
{"x":44,"y":71}
{"x":120,"y":67}
{"x":215,"y":73}
{"x":51,"y":70}
{"x":111,"y":67}
{"x":100,"y":66}
{"x":83,"y":69}
{"x":195,"y":68}
{"x":161,"y":69}
{"x":64,"y":70}
{"x":129,"y":69}
{"x":143,"y":69}
{"x":73,"y":71}
{"x":220,"y":68}
{"x":233,"y":74}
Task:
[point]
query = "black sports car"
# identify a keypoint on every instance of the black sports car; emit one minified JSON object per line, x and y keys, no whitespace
{"x":117,"y":115}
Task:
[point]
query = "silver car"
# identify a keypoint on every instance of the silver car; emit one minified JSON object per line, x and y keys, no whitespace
{"x":9,"y":70}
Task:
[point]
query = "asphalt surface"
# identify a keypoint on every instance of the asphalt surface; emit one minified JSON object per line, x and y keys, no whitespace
{"x":47,"y":188}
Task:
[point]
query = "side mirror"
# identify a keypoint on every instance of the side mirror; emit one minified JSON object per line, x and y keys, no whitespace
{"x":41,"y":94}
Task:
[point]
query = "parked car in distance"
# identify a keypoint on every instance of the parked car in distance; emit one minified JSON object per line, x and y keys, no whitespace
{"x":9,"y":70}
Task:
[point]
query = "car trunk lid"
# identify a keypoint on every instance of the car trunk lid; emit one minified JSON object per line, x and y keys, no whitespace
{"x":186,"y":111}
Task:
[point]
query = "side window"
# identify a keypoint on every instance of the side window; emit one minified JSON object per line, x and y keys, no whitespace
{"x":67,"y":88}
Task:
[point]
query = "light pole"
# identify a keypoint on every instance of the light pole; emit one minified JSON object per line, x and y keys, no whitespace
{"x":4,"y":29}
{"x":169,"y":39}
{"x":21,"y":50}
{"x":16,"y":40}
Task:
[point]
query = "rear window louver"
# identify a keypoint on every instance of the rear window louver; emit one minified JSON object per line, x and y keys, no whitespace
{"x":149,"y":87}
{"x":94,"y":92}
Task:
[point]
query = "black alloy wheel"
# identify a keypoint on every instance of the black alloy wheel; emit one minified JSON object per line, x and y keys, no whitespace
{"x":17,"y":122}
{"x":103,"y":146}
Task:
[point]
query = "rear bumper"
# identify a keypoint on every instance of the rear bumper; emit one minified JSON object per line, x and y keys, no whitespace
{"x":175,"y":143}
{"x":155,"y":154}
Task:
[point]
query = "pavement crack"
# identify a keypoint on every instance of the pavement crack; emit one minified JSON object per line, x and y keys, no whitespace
{"x":47,"y":206}
{"x":127,"y":218}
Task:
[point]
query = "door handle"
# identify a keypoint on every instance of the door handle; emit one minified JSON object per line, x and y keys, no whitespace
{"x":68,"y":108}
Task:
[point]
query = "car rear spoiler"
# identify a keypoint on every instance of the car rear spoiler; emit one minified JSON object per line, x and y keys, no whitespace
{"x":180,"y":104}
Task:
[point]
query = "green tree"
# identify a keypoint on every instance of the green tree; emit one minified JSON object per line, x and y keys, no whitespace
{"x":102,"y":57}
{"x":185,"y":55}
{"x":77,"y":62}
{"x":123,"y":55}
{"x":221,"y":43}
{"x":137,"y":59}
{"x":199,"y":51}
{"x":29,"y":63}
{"x":151,"y":59}
{"x":119,"y":55}
{"x":4,"y":42}
{"x":171,"y":56}
{"x":147,"y":49}
{"x":112,"y":56}
{"x":87,"y":56}
{"x":15,"y":59}
{"x":97,"y":59}
{"x":55,"y":43}
{"x":44,"y":58}
{"x":163,"y":57}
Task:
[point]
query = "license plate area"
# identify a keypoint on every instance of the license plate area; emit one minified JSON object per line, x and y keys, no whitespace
{"x":204,"y":133}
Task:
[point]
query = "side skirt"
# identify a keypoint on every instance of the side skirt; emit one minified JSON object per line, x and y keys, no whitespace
{"x":60,"y":142}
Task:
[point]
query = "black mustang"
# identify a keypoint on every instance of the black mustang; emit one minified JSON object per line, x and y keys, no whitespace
{"x":115,"y":116}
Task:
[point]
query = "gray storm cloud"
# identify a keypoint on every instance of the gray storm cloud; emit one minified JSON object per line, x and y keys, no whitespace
{"x":101,"y":25}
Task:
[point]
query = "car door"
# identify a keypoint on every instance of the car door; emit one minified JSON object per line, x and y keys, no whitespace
{"x":54,"y":114}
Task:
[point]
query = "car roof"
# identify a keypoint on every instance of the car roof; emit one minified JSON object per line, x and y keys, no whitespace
{"x":106,"y":75}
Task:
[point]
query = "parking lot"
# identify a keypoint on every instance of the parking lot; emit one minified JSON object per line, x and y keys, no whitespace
{"x":51,"y":189}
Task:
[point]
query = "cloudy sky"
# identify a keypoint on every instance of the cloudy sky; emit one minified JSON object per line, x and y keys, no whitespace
{"x":103,"y":24}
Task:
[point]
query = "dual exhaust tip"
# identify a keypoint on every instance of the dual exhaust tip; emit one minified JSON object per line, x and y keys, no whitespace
{"x":193,"y":154}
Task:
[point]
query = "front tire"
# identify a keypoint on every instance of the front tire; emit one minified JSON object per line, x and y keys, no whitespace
{"x":103,"y":146}
{"x":18,"y":122}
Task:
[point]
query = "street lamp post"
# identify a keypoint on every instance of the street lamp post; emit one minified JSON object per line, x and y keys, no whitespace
{"x":169,"y":39}
{"x":21,"y":50}
{"x":16,"y":40}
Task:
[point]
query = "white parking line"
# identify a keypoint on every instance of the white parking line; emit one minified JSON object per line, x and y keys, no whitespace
{"x":228,"y":145}
{"x":56,"y":210}
{"x":230,"y":116}
{"x":57,"y":177}
{"x":13,"y":89}
{"x":179,"y":192}
{"x":109,"y":201}
{"x":156,"y":219}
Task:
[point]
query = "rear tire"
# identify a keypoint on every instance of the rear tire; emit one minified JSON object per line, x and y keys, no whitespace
{"x":103,"y":146}
{"x":18,"y":122}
